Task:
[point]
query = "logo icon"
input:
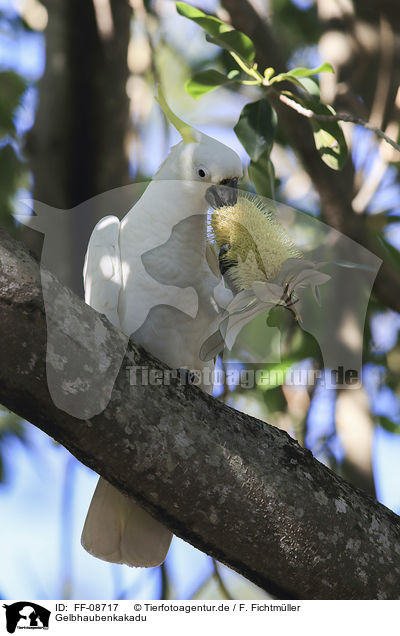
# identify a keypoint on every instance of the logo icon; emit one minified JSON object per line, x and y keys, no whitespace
{"x":26,"y":615}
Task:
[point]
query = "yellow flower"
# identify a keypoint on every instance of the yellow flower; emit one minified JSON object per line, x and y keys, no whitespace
{"x":256,"y":243}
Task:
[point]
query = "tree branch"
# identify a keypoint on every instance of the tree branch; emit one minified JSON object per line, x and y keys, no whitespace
{"x":307,"y":112}
{"x":233,"y":486}
{"x":374,"y":8}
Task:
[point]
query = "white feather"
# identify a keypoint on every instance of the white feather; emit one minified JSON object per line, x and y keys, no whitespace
{"x":119,"y":531}
{"x":149,"y":275}
{"x":102,"y":269}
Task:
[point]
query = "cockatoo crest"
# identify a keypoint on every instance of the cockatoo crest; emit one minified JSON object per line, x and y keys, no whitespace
{"x":197,"y":157}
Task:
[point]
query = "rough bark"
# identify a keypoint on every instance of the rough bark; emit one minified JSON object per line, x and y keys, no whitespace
{"x":231,"y":485}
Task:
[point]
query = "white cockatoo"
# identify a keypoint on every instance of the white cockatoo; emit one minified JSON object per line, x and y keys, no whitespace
{"x":150,"y":275}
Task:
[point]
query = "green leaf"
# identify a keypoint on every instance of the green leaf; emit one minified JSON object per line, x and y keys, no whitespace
{"x":302,"y":72}
{"x":392,"y":254}
{"x":235,"y":42}
{"x":12,"y":87}
{"x":276,"y":374}
{"x":210,"y":24}
{"x":306,"y":72}
{"x":218,"y":32}
{"x":328,"y":135}
{"x":329,"y":138}
{"x":274,"y":399}
{"x":256,"y":128}
{"x":388,"y":424}
{"x":307,"y":84}
{"x":310,"y":86}
{"x":262,"y":174}
{"x":206,"y":81}
{"x":11,"y":168}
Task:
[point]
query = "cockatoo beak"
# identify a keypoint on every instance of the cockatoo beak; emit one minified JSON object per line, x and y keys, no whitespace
{"x":223,"y":194}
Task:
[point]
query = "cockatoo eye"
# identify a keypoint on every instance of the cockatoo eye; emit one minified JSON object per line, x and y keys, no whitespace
{"x":202,"y":172}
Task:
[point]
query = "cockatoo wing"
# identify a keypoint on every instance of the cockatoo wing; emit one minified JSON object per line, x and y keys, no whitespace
{"x":116,"y":528}
{"x":102,"y":269}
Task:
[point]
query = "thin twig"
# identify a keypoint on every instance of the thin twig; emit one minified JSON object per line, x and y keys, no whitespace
{"x":200,"y":591}
{"x":66,"y":527}
{"x":165,"y":586}
{"x":353,"y":119}
{"x":222,"y":587}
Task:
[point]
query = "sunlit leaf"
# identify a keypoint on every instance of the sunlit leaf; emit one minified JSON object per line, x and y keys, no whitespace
{"x":310,"y":86}
{"x":209,"y":23}
{"x":236,"y":42}
{"x":329,"y":138}
{"x":302,"y":72}
{"x":218,"y":32}
{"x":276,"y":374}
{"x":306,"y":72}
{"x":207,"y":81}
